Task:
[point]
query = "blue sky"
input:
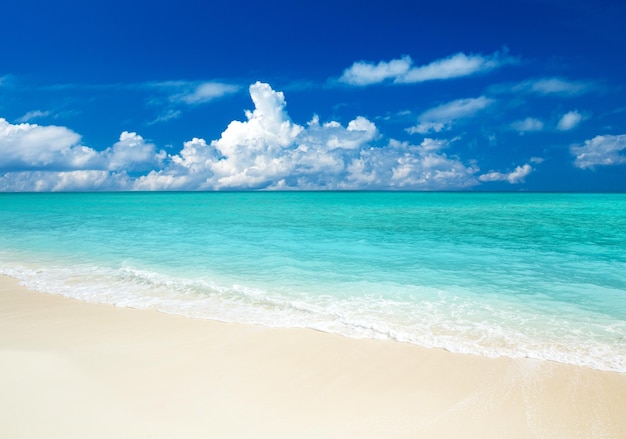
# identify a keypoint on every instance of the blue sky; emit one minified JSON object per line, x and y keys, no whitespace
{"x":403,"y":95}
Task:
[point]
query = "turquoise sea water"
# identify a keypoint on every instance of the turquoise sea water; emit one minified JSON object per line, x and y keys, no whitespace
{"x":507,"y":274}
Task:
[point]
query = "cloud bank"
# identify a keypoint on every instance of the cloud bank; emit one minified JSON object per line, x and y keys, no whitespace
{"x":267,"y":151}
{"x":402,"y":70}
{"x":51,"y":158}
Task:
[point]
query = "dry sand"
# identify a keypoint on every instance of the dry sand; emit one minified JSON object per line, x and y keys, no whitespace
{"x":70,"y":369}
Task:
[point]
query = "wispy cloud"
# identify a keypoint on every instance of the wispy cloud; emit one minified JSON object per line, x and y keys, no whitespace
{"x":456,"y":66}
{"x":171,"y":97}
{"x":441,"y":118}
{"x":192,"y":92}
{"x":203,"y":92}
{"x":36,"y":114}
{"x":547,"y":86}
{"x":177,"y":91}
{"x":168,"y":114}
{"x":402,"y":70}
{"x":457,"y":109}
{"x":9,"y":80}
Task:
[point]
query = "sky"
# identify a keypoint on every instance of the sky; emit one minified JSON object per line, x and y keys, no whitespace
{"x":523,"y":95}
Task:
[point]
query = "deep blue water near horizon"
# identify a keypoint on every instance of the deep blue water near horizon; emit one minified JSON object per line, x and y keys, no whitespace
{"x":539,"y":275}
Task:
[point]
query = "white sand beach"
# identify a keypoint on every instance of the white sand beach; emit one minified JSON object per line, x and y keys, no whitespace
{"x":70,"y":369}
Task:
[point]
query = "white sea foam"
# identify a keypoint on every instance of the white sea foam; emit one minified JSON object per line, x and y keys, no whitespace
{"x":444,"y":321}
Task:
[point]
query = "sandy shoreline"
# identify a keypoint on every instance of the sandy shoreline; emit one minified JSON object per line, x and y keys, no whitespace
{"x":73,"y":370}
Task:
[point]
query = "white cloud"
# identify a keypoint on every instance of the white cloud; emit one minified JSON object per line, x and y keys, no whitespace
{"x":551,"y":86}
{"x":34,"y":146}
{"x":258,"y":149}
{"x":132,"y":153}
{"x":401,"y":165}
{"x":529,"y":124}
{"x":166,"y":115}
{"x":569,"y":120}
{"x":36,"y":114}
{"x":455,"y":66}
{"x":457,"y":109}
{"x":174,"y":95}
{"x":600,"y":151}
{"x":364,"y":73}
{"x":204,"y":92}
{"x":430,"y":145}
{"x":333,"y":135}
{"x":440,"y":118}
{"x":402,"y":70}
{"x":31,"y":146}
{"x":428,"y":127}
{"x":516,"y":176}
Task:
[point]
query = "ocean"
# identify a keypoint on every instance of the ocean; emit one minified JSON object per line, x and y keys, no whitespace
{"x":495,"y":274}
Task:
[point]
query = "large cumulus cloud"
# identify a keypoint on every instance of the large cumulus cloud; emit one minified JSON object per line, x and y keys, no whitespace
{"x":270,"y":151}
